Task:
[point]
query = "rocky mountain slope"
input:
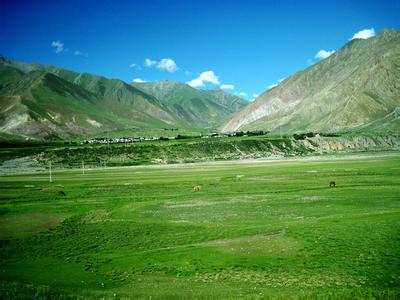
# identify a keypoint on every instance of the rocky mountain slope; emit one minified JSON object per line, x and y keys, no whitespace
{"x":356,"y":88}
{"x":198,"y":108}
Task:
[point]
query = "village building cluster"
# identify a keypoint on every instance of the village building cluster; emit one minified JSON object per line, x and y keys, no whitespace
{"x":126,"y":140}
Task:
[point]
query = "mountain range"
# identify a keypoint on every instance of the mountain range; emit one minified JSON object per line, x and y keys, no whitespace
{"x":41,"y":101}
{"x":201,"y":108}
{"x":355,"y":89}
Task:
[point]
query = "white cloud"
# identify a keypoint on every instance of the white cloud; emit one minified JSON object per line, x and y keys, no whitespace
{"x":272,"y":86}
{"x":135,"y":66}
{"x":243,"y":94}
{"x":79,"y":53}
{"x":149,"y":63}
{"x":210,"y":77}
{"x":207,"y":76}
{"x":322,"y":54}
{"x":364,"y":34}
{"x":167,"y":64}
{"x":227,"y":87}
{"x":254,"y":97}
{"x":197,"y":82}
{"x":58,"y":46}
{"x":275,"y":84}
{"x":138,"y":80}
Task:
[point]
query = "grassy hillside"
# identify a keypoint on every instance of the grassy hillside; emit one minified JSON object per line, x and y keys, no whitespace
{"x":41,"y":104}
{"x":270,"y":229}
{"x":357,"y":88}
{"x":20,"y":157}
{"x":41,"y":101}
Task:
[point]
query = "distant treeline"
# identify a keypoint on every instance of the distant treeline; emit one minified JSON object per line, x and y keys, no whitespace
{"x":215,"y":134}
{"x":302,"y":136}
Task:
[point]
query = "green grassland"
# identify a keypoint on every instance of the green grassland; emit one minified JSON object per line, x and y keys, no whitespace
{"x":256,"y":229}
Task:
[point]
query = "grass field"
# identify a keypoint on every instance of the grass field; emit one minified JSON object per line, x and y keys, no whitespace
{"x":255,"y":229}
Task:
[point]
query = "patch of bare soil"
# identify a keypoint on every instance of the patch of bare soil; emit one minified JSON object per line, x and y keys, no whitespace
{"x":15,"y":225}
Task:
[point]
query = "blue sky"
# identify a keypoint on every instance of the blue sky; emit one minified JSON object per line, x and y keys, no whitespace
{"x":248,"y":45}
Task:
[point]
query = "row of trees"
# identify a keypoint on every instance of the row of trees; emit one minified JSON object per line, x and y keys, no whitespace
{"x":302,"y":136}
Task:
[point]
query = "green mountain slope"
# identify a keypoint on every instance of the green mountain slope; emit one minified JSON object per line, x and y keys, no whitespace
{"x":47,"y":102}
{"x":114,"y":95}
{"x":192,"y":107}
{"x":42,"y":105}
{"x":357,"y":88}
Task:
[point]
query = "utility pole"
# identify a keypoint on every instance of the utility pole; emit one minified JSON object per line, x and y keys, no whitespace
{"x":123,"y":155}
{"x":50,"y":179}
{"x":83,"y":167}
{"x":108,"y":144}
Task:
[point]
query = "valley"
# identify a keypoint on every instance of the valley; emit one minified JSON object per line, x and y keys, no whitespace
{"x":217,"y":158}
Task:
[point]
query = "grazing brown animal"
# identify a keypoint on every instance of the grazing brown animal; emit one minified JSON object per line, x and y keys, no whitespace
{"x":197,"y":188}
{"x":332,"y":184}
{"x":61,"y":194}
